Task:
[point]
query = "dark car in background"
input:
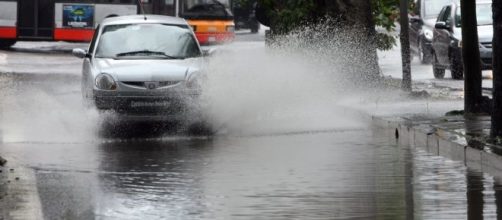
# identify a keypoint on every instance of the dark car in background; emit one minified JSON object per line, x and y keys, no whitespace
{"x":422,"y":20}
{"x":447,"y":40}
{"x":245,"y":16}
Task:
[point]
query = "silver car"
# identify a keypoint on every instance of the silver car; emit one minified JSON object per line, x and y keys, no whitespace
{"x":145,"y":65}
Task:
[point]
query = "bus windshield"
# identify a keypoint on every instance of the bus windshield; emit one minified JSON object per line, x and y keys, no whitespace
{"x":206,"y":9}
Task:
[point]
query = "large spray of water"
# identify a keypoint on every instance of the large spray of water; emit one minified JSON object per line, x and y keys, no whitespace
{"x":295,"y":85}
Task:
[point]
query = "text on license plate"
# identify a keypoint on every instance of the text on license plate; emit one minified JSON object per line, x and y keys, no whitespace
{"x":149,"y":104}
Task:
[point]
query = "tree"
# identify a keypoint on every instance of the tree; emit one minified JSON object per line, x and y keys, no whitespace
{"x":496,"y":125}
{"x":405,"y":46}
{"x":471,"y":58}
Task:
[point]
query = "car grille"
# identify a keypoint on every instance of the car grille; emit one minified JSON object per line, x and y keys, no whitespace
{"x":487,"y":44}
{"x":143,"y":84}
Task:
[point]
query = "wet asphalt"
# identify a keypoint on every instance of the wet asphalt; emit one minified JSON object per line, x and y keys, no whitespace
{"x":81,"y":166}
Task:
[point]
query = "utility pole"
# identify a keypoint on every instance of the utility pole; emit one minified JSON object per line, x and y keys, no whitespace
{"x":471,"y":58}
{"x":405,"y":46}
{"x":496,"y":126}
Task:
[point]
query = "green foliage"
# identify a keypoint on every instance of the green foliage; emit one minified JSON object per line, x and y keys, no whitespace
{"x":385,"y":13}
{"x":286,"y":15}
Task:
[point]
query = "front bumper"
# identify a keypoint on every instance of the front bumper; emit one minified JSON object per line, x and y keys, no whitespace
{"x":426,"y":46}
{"x":484,"y":53}
{"x":171,"y":104}
{"x":486,"y":58}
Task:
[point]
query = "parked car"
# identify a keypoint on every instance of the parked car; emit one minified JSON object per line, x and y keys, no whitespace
{"x":142,"y":65}
{"x":245,"y":17}
{"x":422,"y":20}
{"x":447,"y":40}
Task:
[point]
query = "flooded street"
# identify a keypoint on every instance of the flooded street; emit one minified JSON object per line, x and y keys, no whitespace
{"x":349,"y":172}
{"x":272,"y":157}
{"x":333,"y":175}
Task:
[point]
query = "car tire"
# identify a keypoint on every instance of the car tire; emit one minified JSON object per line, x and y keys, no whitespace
{"x":436,"y":70}
{"x":6,"y":44}
{"x":457,"y":71}
{"x":255,"y":28}
{"x":200,"y":128}
{"x":425,"y":58}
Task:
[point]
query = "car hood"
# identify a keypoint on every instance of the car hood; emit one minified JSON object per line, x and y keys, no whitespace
{"x":147,"y":70}
{"x":430,"y":23}
{"x":485,"y":33}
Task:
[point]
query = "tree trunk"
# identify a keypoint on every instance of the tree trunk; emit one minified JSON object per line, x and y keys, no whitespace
{"x":496,"y":127}
{"x":357,"y":15}
{"x":471,"y":58}
{"x":405,"y":46}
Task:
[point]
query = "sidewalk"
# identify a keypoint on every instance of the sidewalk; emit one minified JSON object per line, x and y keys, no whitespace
{"x":454,"y":137}
{"x":38,"y":59}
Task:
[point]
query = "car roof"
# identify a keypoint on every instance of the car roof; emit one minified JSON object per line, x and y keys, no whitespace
{"x":139,"y":19}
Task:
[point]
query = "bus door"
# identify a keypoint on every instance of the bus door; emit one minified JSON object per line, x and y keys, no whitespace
{"x":35,"y":19}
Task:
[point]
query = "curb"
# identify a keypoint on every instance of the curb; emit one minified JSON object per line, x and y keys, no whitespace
{"x":23,"y":76}
{"x":443,"y":142}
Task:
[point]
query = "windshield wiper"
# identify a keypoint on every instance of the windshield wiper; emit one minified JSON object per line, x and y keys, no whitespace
{"x":148,"y":52}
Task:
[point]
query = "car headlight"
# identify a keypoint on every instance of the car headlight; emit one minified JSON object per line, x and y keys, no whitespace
{"x":428,"y":34}
{"x":106,"y":82}
{"x":194,"y":82}
{"x":230,"y":28}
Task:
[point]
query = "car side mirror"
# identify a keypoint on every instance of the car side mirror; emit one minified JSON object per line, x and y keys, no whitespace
{"x":441,"y":25}
{"x":415,"y":19}
{"x":80,"y":53}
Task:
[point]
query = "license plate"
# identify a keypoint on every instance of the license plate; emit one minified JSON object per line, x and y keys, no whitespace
{"x":149,"y":104}
{"x":211,"y":39}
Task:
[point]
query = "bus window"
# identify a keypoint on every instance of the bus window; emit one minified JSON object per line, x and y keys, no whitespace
{"x":206,"y":9}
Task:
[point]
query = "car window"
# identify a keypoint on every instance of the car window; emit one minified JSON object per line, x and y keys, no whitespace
{"x":160,"y":40}
{"x":483,"y":15}
{"x":93,"y":41}
{"x":445,"y":15}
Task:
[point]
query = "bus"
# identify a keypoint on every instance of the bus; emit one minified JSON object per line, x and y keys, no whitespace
{"x":76,"y":20}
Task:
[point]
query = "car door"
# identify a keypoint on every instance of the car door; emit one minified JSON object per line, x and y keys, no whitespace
{"x":441,"y":40}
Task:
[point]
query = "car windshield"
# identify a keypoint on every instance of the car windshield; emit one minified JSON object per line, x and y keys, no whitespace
{"x":433,"y":7}
{"x":206,"y":9}
{"x":147,"y":41}
{"x":483,"y":14}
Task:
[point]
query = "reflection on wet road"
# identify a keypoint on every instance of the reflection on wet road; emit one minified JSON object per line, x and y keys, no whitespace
{"x":342,"y":175}
{"x":86,"y":170}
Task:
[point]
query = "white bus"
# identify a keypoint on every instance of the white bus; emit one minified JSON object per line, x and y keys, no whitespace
{"x":58,"y":20}
{"x":75,"y":20}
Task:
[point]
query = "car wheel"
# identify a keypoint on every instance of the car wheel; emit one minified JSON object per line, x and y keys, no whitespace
{"x":425,"y":58}
{"x":457,"y":71}
{"x":436,"y":70}
{"x":6,"y":44}
{"x":200,"y":129}
{"x":255,"y":26}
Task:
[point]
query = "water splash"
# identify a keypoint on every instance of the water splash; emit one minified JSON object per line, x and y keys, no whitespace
{"x":292,"y":86}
